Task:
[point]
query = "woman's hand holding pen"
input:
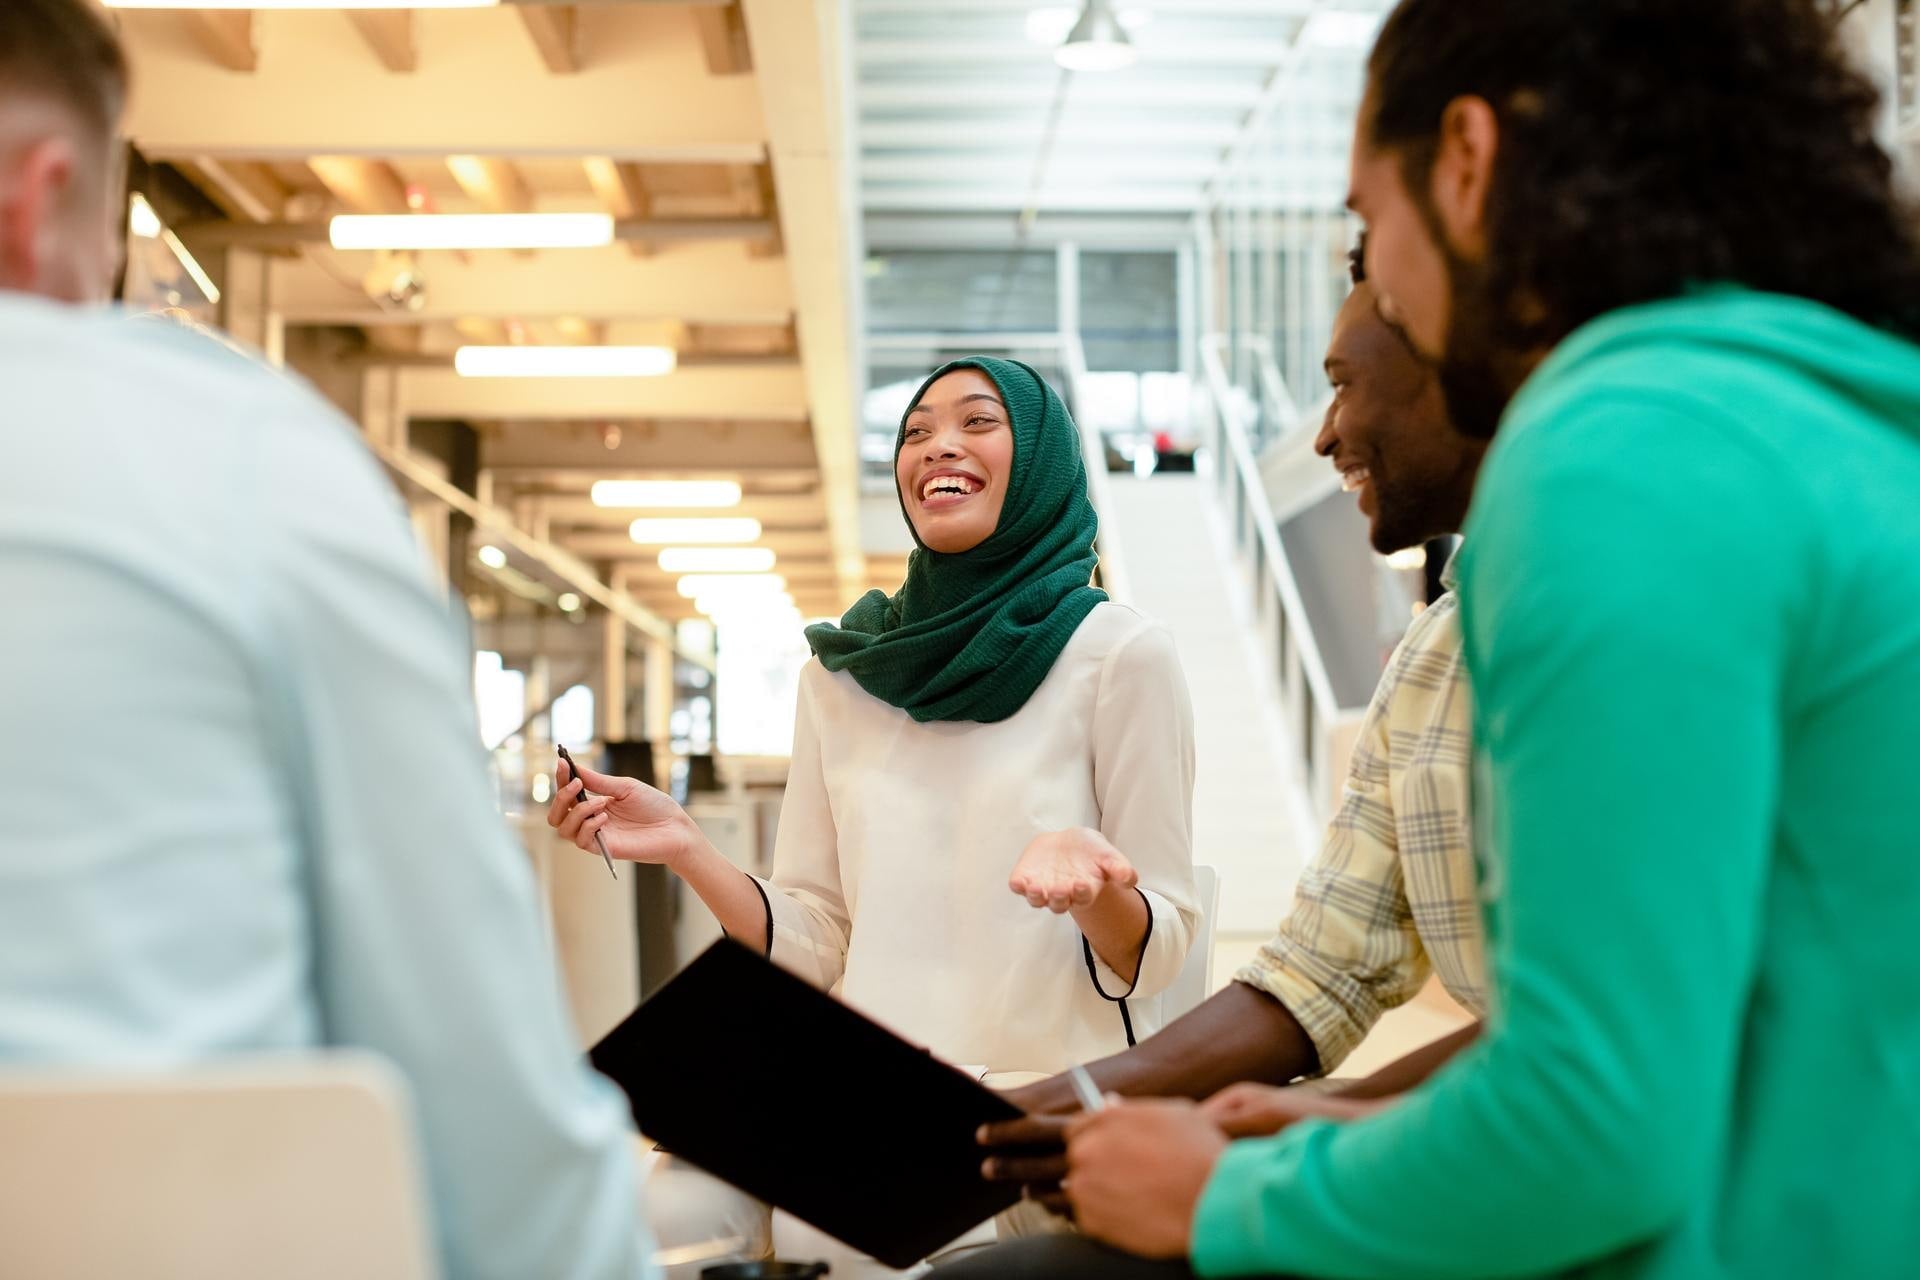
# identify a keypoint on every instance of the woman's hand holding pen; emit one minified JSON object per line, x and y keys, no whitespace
{"x":638,"y":823}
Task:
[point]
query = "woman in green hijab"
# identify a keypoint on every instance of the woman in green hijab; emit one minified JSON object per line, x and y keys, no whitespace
{"x":986,"y":840}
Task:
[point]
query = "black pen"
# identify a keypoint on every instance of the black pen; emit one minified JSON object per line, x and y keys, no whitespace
{"x":573,"y":771}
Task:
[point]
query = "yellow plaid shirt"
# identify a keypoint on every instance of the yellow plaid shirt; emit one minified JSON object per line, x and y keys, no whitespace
{"x":1392,"y":897}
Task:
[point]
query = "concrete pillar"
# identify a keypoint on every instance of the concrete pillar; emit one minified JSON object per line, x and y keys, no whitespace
{"x":382,"y":415}
{"x":657,"y":706}
{"x":612,"y":697}
{"x":246,"y":310}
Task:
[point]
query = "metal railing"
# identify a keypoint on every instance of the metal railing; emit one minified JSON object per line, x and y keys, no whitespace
{"x":1316,"y":725}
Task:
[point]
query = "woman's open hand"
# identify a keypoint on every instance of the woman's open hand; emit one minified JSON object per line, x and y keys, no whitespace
{"x":1066,"y":870}
{"x":638,"y":823}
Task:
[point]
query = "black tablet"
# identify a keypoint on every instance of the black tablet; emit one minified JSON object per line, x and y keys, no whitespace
{"x":748,"y":1072}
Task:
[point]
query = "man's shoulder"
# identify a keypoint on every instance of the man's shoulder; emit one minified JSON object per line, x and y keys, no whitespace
{"x":1430,"y":651}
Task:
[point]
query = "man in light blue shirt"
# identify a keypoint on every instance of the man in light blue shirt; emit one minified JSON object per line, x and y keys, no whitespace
{"x":243,"y":805}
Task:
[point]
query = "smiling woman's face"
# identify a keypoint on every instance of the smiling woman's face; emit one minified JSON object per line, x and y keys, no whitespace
{"x":954,"y":461}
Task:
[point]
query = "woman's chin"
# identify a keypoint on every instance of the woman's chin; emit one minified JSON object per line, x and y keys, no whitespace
{"x":952,"y":542}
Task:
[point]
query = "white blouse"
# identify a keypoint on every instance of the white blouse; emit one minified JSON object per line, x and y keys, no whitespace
{"x":896,"y":840}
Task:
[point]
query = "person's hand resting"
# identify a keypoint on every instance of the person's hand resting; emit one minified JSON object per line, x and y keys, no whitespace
{"x":1262,"y":1110}
{"x":638,"y":823}
{"x":1135,"y":1172}
{"x":1065,"y":871}
{"x":1031,"y":1151}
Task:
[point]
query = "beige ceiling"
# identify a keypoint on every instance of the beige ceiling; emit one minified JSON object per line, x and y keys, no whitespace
{"x":709,"y":130}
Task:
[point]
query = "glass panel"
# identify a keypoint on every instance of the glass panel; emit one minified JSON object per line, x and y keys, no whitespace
{"x":1129,"y":311}
{"x":962,"y":291}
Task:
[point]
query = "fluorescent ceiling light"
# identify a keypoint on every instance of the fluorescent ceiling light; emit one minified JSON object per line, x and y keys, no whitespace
{"x":1097,"y":42}
{"x":142,"y":220}
{"x":754,"y":603}
{"x":734,"y":586}
{"x":716,"y":560}
{"x":765,"y":617}
{"x":666,"y":493}
{"x":400,"y":231}
{"x":564,"y":362}
{"x":667,"y":533}
{"x":492,"y":557}
{"x":301,"y":4}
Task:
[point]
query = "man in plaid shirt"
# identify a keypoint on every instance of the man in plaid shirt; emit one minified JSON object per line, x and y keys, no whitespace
{"x":1392,"y":896}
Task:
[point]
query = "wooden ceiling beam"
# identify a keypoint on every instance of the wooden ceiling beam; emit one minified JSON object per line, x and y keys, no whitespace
{"x":226,"y":35}
{"x":362,"y":185}
{"x":723,"y":36}
{"x":492,"y":183}
{"x":244,"y":190}
{"x":623,"y":190}
{"x":389,"y":33}
{"x":555,"y":31}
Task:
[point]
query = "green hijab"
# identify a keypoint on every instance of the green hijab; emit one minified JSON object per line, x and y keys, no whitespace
{"x":970,"y":636}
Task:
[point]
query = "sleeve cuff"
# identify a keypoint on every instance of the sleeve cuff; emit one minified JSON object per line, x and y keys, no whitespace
{"x":1335,"y":1027}
{"x":766,"y":904}
{"x":1106,"y":980}
{"x":792,"y":941}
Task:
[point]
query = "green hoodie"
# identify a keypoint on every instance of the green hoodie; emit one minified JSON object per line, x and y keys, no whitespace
{"x":1691,"y":600}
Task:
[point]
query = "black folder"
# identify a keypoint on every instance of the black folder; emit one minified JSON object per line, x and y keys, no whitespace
{"x":748,"y":1072}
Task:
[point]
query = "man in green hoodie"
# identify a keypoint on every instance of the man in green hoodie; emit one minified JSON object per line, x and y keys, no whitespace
{"x":1656,"y":245}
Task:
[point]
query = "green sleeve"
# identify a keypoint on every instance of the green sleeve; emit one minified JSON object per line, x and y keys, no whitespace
{"x":1628,"y":670}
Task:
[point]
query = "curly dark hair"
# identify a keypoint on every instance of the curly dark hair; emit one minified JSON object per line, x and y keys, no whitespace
{"x":1650,"y":145}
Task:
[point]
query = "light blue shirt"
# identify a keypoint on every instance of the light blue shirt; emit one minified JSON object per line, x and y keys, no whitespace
{"x":243,"y":803}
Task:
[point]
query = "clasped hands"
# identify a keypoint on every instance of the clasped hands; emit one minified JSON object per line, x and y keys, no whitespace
{"x":1131,"y":1176}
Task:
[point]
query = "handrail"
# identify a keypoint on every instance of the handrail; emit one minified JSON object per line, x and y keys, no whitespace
{"x":1272,"y":381}
{"x":1238,"y":467}
{"x":1093,"y":449}
{"x":498,"y":525}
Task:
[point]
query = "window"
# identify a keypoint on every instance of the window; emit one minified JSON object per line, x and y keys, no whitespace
{"x":1130,"y":312}
{"x":962,"y":291}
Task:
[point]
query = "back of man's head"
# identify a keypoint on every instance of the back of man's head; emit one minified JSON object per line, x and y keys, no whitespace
{"x":63,"y":83}
{"x":1646,"y":146}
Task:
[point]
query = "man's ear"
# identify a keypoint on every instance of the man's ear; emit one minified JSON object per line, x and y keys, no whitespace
{"x":31,"y":198}
{"x":1469,"y":144}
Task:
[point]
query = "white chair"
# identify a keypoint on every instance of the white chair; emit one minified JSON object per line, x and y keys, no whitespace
{"x":1196,"y":976}
{"x":300,"y":1168}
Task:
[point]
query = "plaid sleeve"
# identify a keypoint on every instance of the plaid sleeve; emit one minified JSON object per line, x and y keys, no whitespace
{"x":1349,"y":951}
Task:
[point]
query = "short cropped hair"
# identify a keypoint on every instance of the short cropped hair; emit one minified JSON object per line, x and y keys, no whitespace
{"x":66,"y":51}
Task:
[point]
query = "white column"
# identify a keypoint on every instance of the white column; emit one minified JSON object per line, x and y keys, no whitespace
{"x":246,"y":309}
{"x":613,"y":679}
{"x":657,"y":708}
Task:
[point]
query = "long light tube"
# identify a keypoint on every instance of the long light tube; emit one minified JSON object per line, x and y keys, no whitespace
{"x":716,"y":560}
{"x":722,"y":586}
{"x":672,"y":533}
{"x":301,"y":4}
{"x":757,"y":603}
{"x":666,"y":493}
{"x":564,"y":362}
{"x":142,"y":221}
{"x":401,"y":231}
